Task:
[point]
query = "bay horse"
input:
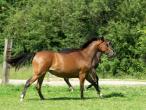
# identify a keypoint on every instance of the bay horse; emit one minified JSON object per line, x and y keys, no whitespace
{"x":95,"y":63}
{"x":75,"y":64}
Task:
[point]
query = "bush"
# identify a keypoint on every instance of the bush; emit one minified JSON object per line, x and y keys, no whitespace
{"x":54,"y":25}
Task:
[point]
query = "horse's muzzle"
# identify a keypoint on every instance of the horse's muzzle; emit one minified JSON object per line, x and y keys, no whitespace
{"x":111,"y":54}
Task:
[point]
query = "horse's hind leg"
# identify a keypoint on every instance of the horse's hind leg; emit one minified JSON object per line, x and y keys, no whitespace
{"x":69,"y":85}
{"x":28,"y":83}
{"x":38,"y":86}
{"x":89,"y":86}
{"x":94,"y":82}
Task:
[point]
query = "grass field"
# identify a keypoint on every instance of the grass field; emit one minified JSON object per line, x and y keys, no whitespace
{"x":59,"y":98}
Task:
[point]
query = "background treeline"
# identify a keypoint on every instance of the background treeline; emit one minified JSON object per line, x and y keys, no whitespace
{"x":57,"y":24}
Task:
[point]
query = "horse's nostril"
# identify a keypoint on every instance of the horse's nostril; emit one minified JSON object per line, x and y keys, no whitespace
{"x":114,"y":54}
{"x":111,"y":54}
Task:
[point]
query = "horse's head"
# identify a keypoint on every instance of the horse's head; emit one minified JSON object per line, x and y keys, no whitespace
{"x":105,"y":47}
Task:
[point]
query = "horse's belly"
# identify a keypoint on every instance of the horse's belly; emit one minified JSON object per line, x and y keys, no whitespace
{"x":61,"y":68}
{"x":69,"y":74}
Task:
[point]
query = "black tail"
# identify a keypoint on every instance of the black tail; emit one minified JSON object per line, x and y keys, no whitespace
{"x":20,"y":60}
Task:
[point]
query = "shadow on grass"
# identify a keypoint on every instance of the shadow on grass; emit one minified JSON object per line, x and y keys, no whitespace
{"x":72,"y":98}
{"x":78,"y":98}
{"x":65,"y":98}
{"x":113,"y":95}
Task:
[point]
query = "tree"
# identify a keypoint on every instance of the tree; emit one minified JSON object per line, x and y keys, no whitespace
{"x":57,"y":24}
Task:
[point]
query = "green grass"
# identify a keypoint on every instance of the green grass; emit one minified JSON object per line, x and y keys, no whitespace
{"x":22,"y":73}
{"x":59,"y":98}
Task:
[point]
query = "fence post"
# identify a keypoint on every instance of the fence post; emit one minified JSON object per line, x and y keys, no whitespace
{"x":6,"y":67}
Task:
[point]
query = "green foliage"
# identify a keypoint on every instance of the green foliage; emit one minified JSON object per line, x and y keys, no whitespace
{"x":57,"y":24}
{"x":47,"y":25}
{"x":123,"y":30}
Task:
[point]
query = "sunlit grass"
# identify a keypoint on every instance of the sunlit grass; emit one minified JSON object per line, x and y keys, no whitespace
{"x":59,"y":98}
{"x":22,"y":73}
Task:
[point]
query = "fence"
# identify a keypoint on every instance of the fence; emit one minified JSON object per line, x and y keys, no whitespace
{"x":6,"y":67}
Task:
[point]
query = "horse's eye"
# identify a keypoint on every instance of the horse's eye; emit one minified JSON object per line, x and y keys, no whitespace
{"x":109,"y":43}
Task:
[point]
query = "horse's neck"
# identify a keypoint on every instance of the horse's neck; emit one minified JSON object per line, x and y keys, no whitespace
{"x":90,"y":51}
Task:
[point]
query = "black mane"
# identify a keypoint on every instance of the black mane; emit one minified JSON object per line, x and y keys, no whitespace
{"x":68,"y":50}
{"x":86,"y":44}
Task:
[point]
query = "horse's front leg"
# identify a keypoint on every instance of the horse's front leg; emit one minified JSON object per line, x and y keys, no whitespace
{"x":82,"y":76}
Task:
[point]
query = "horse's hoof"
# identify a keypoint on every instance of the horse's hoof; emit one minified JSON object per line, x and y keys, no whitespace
{"x":21,"y":97}
{"x":101,"y":95}
{"x":82,"y":97}
{"x":71,"y":89}
{"x":42,"y":98}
